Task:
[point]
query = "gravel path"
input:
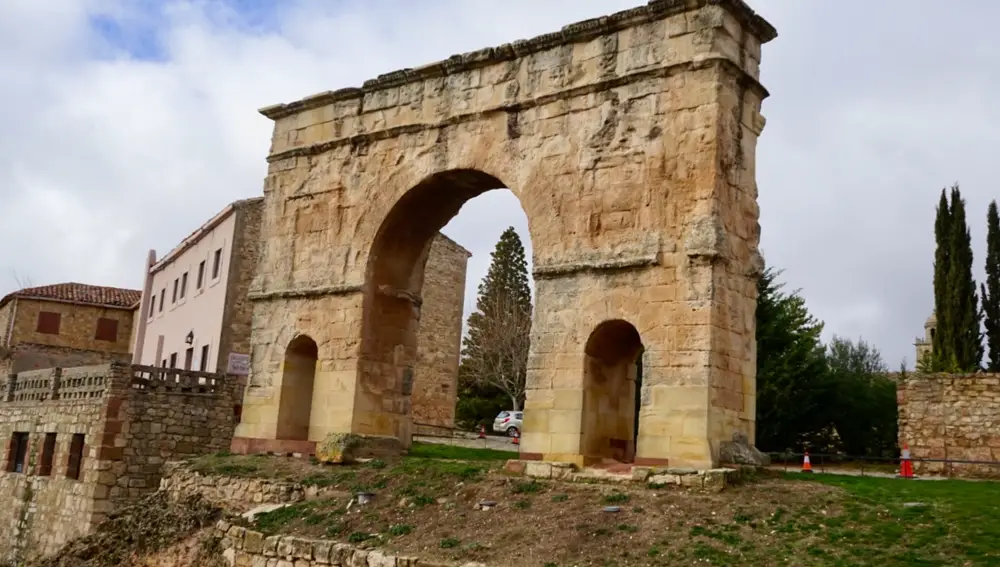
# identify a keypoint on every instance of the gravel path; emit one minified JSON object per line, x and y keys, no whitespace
{"x":495,"y":442}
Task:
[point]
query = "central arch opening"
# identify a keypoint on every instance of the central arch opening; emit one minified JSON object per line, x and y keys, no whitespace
{"x":612,"y":384}
{"x":394,"y":302}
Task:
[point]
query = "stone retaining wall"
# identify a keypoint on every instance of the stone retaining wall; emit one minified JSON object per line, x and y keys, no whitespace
{"x":954,"y":417}
{"x":233,"y":493}
{"x":131,"y":420}
{"x":242,"y":546}
{"x":711,"y":479}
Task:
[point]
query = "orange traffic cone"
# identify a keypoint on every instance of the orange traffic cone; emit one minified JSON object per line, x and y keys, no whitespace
{"x":516,"y":439}
{"x":482,"y":432}
{"x":905,"y":464}
{"x":806,"y":465}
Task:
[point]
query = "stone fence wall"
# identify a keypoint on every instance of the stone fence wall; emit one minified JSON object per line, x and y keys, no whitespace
{"x":242,"y":546}
{"x":82,"y":442}
{"x":233,"y":493}
{"x":954,"y":417}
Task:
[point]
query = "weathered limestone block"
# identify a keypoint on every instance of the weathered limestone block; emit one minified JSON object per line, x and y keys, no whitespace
{"x":338,"y":448}
{"x":739,"y":451}
{"x":538,"y":469}
{"x":664,"y":480}
{"x":347,"y":447}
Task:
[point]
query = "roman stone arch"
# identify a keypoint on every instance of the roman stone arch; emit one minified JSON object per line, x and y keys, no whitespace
{"x":629,"y":141}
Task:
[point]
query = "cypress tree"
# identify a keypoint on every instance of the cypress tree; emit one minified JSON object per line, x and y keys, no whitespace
{"x":964,"y":313}
{"x":941,"y":353}
{"x":495,"y":353}
{"x":991,"y":291}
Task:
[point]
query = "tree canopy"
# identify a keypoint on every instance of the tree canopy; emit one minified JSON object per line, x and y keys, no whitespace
{"x":834,"y":398}
{"x":957,"y":345}
{"x":495,"y":351}
{"x":991,"y":291}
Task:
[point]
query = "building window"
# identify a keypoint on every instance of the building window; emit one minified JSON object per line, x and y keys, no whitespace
{"x":173,"y":360}
{"x":163,"y":298}
{"x":75,"y":457}
{"x":152,"y":306}
{"x":176,"y":282}
{"x":17,"y":452}
{"x":107,"y":329}
{"x":188,"y":358}
{"x":203,"y":365}
{"x":48,"y":323}
{"x":216,"y":263}
{"x":201,"y":274}
{"x":184,"y":284}
{"x":48,"y":450}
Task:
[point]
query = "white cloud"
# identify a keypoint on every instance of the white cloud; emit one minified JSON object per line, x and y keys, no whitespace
{"x":103,"y":156}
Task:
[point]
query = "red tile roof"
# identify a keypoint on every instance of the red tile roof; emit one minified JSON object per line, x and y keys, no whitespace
{"x":82,"y":294}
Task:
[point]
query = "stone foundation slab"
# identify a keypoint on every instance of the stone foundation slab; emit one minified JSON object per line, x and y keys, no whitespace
{"x":714,"y":480}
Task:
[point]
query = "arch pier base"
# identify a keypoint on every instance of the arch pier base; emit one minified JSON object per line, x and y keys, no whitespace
{"x":630,"y":143}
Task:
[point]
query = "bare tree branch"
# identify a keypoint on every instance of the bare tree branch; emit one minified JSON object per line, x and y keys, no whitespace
{"x":21,"y":281}
{"x":504,"y":336}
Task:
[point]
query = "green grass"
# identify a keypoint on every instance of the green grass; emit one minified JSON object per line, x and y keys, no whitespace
{"x":861,"y":522}
{"x":440,"y":451}
{"x":959,"y":523}
{"x":616,"y":498}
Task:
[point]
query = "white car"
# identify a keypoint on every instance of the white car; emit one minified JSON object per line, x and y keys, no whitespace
{"x":508,"y":422}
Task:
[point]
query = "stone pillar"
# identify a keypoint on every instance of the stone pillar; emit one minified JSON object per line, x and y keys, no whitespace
{"x":11,"y":387}
{"x":55,"y":383}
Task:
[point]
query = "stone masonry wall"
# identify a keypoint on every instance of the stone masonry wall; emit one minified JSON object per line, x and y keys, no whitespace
{"x":133,"y":419}
{"x":245,"y":255}
{"x":77,"y":326}
{"x":39,"y":513}
{"x":248,"y":547}
{"x":439,"y":342}
{"x":27,"y":356}
{"x":943,"y":416}
{"x":166,"y":420}
{"x":233,"y":493}
{"x":5,"y":314}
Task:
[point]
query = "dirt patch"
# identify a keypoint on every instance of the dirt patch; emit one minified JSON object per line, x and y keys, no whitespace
{"x":431,"y":509}
{"x":153,"y":524}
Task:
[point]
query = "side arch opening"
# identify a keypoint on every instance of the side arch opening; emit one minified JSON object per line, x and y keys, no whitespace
{"x":297,"y":380}
{"x":611,"y":385}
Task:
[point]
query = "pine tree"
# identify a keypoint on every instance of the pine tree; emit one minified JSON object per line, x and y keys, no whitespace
{"x":495,"y":353}
{"x":941,"y":354}
{"x":793,"y":386}
{"x":991,"y":291}
{"x":964,"y":313}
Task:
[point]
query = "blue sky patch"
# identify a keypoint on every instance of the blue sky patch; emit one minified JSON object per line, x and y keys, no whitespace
{"x":140,"y":40}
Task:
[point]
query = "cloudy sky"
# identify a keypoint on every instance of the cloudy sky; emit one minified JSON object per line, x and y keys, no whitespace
{"x":124,"y":124}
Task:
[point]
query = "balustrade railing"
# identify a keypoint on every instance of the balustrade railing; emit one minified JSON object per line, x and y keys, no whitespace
{"x":88,"y":382}
{"x":175,"y":380}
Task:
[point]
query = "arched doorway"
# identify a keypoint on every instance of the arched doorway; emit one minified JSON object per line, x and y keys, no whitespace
{"x":393,"y":297}
{"x":611,"y":386}
{"x":298,"y":377}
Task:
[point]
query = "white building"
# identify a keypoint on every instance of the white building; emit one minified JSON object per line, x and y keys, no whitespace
{"x":194,"y":311}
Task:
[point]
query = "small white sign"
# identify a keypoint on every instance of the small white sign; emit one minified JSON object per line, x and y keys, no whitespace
{"x":239,"y":364}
